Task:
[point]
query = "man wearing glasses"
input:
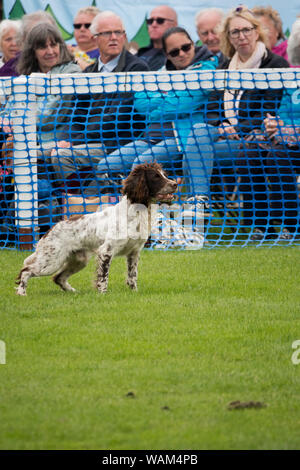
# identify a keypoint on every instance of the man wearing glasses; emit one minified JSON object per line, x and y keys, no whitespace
{"x":161,"y":18}
{"x":102,"y":121}
{"x":109,"y":31}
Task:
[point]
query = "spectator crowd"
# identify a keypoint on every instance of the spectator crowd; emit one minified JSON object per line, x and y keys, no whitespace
{"x":245,"y":138}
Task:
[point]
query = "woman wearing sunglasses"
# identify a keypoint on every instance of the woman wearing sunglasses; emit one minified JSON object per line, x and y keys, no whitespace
{"x":181,"y":52}
{"x":234,"y":113}
{"x":86,"y":50}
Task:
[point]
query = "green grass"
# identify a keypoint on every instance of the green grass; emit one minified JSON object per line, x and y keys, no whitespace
{"x":205,"y":328}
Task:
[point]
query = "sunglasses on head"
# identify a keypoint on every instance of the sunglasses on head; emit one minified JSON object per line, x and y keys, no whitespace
{"x":184,"y":48}
{"x":149,"y":21}
{"x":78,"y":25}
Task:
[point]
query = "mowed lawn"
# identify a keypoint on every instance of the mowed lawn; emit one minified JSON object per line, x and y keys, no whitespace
{"x":157,"y":368}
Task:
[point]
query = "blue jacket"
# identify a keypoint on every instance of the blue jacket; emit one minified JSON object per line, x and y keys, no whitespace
{"x":176,"y":109}
{"x":289,"y":110}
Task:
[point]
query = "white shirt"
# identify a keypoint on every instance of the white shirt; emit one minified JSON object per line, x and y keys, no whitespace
{"x":109,"y":66}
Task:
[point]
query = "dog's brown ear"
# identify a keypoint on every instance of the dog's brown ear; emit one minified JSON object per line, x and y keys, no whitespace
{"x":135,"y":186}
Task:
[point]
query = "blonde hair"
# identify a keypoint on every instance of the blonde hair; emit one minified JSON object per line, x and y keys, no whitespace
{"x":240,"y":12}
{"x":93,"y":11}
{"x":273,"y":15}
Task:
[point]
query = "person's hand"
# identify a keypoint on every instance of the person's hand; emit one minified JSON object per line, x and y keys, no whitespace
{"x":229,"y":132}
{"x":5,"y":124}
{"x":272,"y":125}
{"x":63,"y":144}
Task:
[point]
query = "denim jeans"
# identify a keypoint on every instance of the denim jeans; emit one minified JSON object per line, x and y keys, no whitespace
{"x":203,"y":151}
{"x":139,"y":151}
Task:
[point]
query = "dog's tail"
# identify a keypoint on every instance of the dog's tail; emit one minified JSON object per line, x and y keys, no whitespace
{"x":26,"y":267}
{"x":19,"y":278}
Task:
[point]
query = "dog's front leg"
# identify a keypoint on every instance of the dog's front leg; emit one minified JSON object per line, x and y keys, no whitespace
{"x":132,"y":264}
{"x":105,"y":256}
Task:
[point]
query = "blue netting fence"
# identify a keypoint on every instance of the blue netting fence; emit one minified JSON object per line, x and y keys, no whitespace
{"x":69,"y":141}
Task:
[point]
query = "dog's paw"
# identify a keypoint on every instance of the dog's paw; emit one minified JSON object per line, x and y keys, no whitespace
{"x":132,"y":285}
{"x":71,"y":289}
{"x":102,"y":289}
{"x":21,"y":291}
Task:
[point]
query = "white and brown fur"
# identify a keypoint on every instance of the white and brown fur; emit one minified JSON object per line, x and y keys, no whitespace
{"x":69,"y":245}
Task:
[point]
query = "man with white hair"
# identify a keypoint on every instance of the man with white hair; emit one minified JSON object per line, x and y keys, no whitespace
{"x":207,"y":23}
{"x":293,"y":48}
{"x":161,"y":18}
{"x":108,"y":29}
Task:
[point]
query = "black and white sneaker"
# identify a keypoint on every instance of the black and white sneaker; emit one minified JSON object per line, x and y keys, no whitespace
{"x":257,"y":235}
{"x":285,"y":235}
{"x":169,"y":233}
{"x":194,"y":207}
{"x":202,"y":201}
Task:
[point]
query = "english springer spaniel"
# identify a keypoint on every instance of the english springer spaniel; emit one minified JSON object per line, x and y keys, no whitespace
{"x":118,"y":230}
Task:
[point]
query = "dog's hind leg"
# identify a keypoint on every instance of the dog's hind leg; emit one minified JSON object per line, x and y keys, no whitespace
{"x":26,"y":273}
{"x":76,"y":262}
{"x":22,"y":280}
{"x":104,"y":258}
{"x":132,"y":265}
